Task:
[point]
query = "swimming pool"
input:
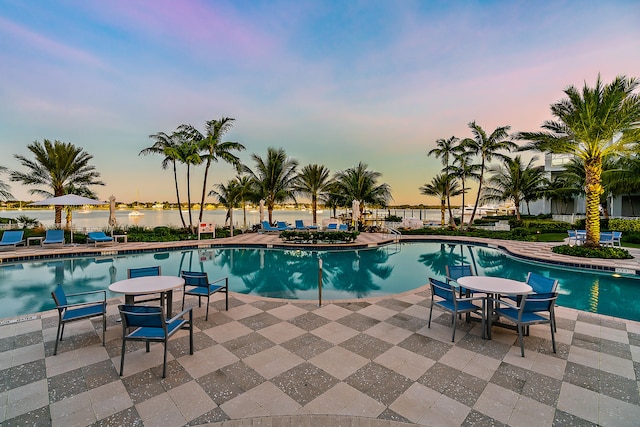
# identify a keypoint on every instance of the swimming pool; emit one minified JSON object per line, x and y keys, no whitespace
{"x":26,"y":287}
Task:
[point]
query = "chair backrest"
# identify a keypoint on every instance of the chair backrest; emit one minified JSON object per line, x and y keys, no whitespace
{"x":195,"y":278}
{"x":572,"y":233}
{"x":457,"y":271}
{"x":541,"y":284}
{"x":530,"y":303}
{"x":132,"y":273}
{"x":343,"y":227}
{"x":54,"y":235}
{"x":59,"y":297}
{"x":141,"y":316}
{"x":282,"y":224}
{"x":299,"y":223}
{"x":11,"y":236}
{"x":332,"y":226}
{"x":442,"y":290}
{"x":617,"y":235}
{"x":97,"y":235}
{"x":266,"y":225}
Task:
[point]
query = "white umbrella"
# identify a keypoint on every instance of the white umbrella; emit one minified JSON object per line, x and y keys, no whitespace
{"x":112,"y":211}
{"x":355,"y":207}
{"x":68,"y":200}
{"x":261,"y":210}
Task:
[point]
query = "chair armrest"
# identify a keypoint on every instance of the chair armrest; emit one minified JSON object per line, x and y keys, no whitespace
{"x":104,"y":293}
{"x":472,"y":299}
{"x":79,"y":304}
{"x":503,"y":302}
{"x":177,"y":316}
{"x":219,"y":280}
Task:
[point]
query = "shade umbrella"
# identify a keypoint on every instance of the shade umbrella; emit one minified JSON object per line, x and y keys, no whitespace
{"x":112,"y":211}
{"x":355,"y":207}
{"x":68,"y":200}
{"x":261,"y":210}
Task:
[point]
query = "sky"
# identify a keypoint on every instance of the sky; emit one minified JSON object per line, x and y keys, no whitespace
{"x":331,"y":82}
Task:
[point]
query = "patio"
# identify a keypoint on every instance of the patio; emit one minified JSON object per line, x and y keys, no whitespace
{"x":369,"y":362}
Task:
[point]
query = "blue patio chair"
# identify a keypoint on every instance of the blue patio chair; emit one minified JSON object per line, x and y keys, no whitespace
{"x":343,"y":227}
{"x":269,"y":228}
{"x":197,"y":283}
{"x":133,"y":273}
{"x":454,"y":272}
{"x":98,"y":237}
{"x":526,"y":314}
{"x":68,"y":312}
{"x":282,"y":226}
{"x":544,"y":285}
{"x":12,"y":238}
{"x":573,"y":237}
{"x":150,"y":325}
{"x":617,"y":238}
{"x":450,"y":302}
{"x":606,"y":238}
{"x":53,"y":237}
{"x":332,"y":226}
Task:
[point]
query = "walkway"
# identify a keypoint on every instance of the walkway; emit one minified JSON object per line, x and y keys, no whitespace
{"x":368,"y":362}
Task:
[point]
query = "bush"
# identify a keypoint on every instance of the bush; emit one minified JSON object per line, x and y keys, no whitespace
{"x":628,"y":225}
{"x":581,"y":224}
{"x":319,"y":236}
{"x":605,"y":252}
{"x":393,"y":218}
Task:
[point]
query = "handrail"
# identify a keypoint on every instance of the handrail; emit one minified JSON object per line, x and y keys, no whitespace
{"x":395,"y":233}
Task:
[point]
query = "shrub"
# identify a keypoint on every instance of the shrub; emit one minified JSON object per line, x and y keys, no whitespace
{"x":624,"y":224}
{"x":605,"y":252}
{"x":393,"y":218}
{"x":319,"y":236}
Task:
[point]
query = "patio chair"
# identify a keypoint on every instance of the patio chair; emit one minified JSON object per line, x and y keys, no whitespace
{"x":132,"y":273}
{"x":617,"y":238}
{"x":332,"y":226}
{"x":606,"y":238}
{"x":78,"y":311}
{"x":343,"y":227}
{"x":54,"y":237}
{"x":98,"y":237}
{"x":300,"y":226}
{"x":544,"y":285}
{"x":454,"y":272}
{"x":197,"y":283}
{"x":526,"y":314}
{"x":12,"y":238}
{"x":450,"y":302}
{"x":150,"y":325}
{"x":269,"y":228}
{"x":282,"y":226}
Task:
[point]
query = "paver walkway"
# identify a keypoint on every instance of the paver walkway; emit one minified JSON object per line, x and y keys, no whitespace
{"x":370,"y":362}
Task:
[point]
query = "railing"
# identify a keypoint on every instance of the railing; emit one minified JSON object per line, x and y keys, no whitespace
{"x":394,"y":232}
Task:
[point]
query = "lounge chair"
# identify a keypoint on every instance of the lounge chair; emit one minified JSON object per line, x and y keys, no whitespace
{"x":300,"y":226}
{"x":283,"y":226}
{"x":53,"y":237}
{"x":343,"y":227}
{"x":98,"y":237}
{"x":12,"y":238}
{"x":332,"y":227}
{"x":269,"y":228}
{"x":617,"y":237}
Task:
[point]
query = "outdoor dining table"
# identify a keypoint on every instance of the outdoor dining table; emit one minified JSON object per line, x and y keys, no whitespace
{"x":147,"y":285}
{"x":493,"y":286}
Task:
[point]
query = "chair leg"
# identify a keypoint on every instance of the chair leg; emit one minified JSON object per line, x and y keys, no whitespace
{"x":453,"y":336}
{"x":183,"y":294}
{"x":226,"y":298}
{"x":58,"y":338}
{"x":520,"y":337}
{"x":122,"y":356}
{"x":147,"y":345}
{"x":164,"y":361}
{"x":430,"y":313}
{"x":190,"y":332}
{"x":104,"y":327}
{"x":553,"y":338}
{"x":199,"y":301}
{"x":206,"y":318}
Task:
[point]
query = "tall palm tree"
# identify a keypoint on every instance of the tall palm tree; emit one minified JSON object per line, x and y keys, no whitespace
{"x":4,"y":187}
{"x":213,"y":148}
{"x":313,"y":181}
{"x":228,"y":195}
{"x":591,"y":124}
{"x":56,"y":167}
{"x":274,"y":177}
{"x":189,"y":154}
{"x":463,"y":169}
{"x":487,"y":147}
{"x":245,"y":189}
{"x":511,"y":180}
{"x":442,"y":186}
{"x":361,"y":184}
{"x":167,"y":146}
{"x":443,"y":150}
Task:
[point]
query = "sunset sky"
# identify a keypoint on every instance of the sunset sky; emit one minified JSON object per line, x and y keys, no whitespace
{"x":331,"y":82}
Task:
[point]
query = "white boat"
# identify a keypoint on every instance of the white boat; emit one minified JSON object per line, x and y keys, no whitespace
{"x":136,"y":213}
{"x":158,"y":206}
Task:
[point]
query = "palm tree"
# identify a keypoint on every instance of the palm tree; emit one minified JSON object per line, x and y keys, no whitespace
{"x":442,"y":186}
{"x":228,"y":195}
{"x":313,"y":181}
{"x":444,"y":148}
{"x":564,"y":190}
{"x":359,"y":183}
{"x":274,"y":178}
{"x":463,"y":169}
{"x":57,"y":166}
{"x":487,"y":147}
{"x":511,"y":180}
{"x":245,"y":188}
{"x":189,"y":154}
{"x":4,"y":187}
{"x":167,"y":146}
{"x":212,"y":147}
{"x":534,"y":184}
{"x":591,"y":124}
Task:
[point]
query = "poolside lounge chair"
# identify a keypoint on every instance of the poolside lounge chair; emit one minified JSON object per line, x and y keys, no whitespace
{"x":98,"y":237}
{"x":300,"y":226}
{"x":150,"y":325}
{"x":449,"y":301}
{"x":53,"y":237}
{"x":83,"y":310}
{"x":332,"y":226}
{"x":343,"y":227}
{"x":269,"y":228}
{"x":12,"y":238}
{"x":197,"y":283}
{"x":283,"y":226}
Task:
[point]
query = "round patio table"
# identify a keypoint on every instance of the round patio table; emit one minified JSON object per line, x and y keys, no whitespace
{"x":494,"y":286}
{"x":163,"y":285}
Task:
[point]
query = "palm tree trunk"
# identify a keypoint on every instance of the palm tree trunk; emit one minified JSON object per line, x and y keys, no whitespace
{"x":475,"y":206}
{"x":593,"y":190}
{"x":175,"y":178}
{"x":189,"y":198}
{"x":462,"y":207}
{"x":204,"y":189}
{"x":314,"y":207}
{"x":244,"y":214}
{"x":442,"y":209}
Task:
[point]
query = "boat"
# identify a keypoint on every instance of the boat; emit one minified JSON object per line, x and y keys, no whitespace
{"x":136,"y":213}
{"x":158,"y":206}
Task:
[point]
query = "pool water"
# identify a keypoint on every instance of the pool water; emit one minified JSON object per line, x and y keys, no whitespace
{"x":26,"y":287}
